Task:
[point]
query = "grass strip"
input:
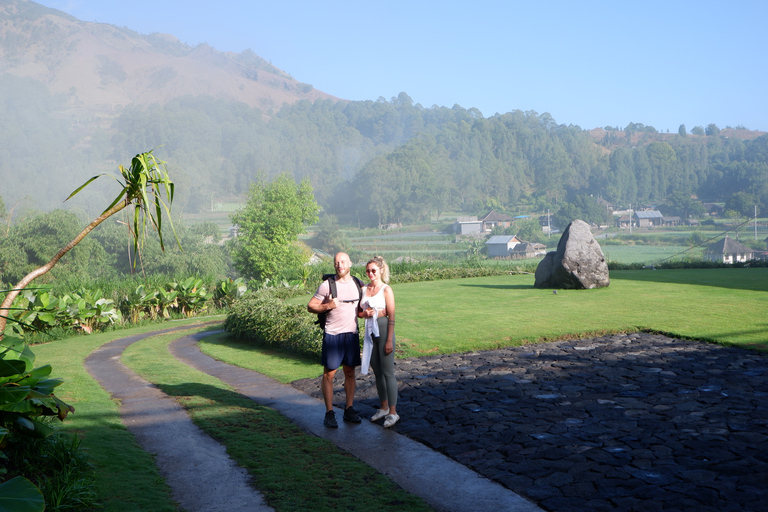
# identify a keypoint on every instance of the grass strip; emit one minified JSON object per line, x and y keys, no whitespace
{"x":294,"y":470}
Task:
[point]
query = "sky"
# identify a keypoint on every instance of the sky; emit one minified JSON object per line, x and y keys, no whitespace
{"x":587,"y":63}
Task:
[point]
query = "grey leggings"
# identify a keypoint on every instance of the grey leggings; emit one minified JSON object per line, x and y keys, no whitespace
{"x":384,"y":365}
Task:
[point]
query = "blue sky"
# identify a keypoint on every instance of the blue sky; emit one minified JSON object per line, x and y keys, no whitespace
{"x":588,"y":63}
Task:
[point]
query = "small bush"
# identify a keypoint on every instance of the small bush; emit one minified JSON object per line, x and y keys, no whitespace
{"x":57,"y":466}
{"x":262,"y":317}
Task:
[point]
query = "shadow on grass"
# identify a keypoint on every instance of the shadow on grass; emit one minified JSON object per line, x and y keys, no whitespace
{"x":225,"y":339}
{"x":500,"y":286}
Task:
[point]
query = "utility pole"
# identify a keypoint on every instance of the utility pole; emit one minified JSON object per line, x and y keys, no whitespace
{"x":549,"y":227}
{"x":630,"y":218}
{"x":755,"y":222}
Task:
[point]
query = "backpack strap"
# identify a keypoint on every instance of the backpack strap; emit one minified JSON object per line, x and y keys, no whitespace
{"x":360,"y":285}
{"x":331,"y":278}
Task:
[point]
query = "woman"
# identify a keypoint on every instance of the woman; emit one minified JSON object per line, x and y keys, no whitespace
{"x":377,"y":307}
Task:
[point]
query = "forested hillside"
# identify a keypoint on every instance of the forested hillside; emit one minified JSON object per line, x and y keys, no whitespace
{"x":369,"y":162}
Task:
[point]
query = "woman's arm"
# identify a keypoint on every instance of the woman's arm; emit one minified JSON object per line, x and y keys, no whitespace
{"x":389,"y":300}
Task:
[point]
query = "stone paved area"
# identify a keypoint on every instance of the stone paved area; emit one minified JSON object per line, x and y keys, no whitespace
{"x":624,"y":422}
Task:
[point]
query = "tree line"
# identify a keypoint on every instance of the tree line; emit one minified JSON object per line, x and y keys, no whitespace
{"x":370,"y":162}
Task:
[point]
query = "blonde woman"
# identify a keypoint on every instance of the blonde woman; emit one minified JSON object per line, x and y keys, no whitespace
{"x":377,"y":307}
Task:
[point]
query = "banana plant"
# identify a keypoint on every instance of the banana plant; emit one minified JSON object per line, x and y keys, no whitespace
{"x":165,"y":301}
{"x":141,"y":303}
{"x":20,"y":495}
{"x":192,"y":296}
{"x":87,"y":310}
{"x":146,"y":186}
{"x":229,"y":291}
{"x":33,"y":309}
{"x":26,"y":393}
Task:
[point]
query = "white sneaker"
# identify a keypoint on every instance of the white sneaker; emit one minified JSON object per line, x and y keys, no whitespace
{"x":390,"y":420}
{"x":380,"y":413}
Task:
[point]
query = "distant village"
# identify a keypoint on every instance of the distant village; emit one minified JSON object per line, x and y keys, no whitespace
{"x":725,"y":250}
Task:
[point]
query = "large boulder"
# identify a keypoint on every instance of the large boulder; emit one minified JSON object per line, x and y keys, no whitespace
{"x":577,"y":264}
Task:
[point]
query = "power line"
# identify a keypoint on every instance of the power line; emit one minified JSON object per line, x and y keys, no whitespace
{"x":705,"y":242}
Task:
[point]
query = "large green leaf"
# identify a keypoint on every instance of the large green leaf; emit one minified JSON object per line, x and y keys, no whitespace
{"x":14,"y":398}
{"x":20,"y":495}
{"x":12,"y":367}
{"x":11,"y":395}
{"x":34,"y":428}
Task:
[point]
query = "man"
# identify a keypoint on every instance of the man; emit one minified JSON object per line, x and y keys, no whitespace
{"x":341,"y":341}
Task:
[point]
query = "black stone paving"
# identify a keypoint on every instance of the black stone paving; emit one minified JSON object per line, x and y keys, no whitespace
{"x":624,"y":422}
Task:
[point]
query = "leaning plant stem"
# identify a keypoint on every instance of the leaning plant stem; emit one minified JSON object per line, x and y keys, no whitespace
{"x":8,"y":301}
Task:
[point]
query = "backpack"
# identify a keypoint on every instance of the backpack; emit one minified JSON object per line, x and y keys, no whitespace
{"x":322,"y":318}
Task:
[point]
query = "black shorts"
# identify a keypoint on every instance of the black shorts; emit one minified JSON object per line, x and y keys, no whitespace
{"x":341,"y":349}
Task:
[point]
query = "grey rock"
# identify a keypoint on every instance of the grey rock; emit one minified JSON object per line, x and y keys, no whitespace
{"x":578,"y":263}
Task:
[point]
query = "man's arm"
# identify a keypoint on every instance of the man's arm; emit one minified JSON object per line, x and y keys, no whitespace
{"x":318,"y":306}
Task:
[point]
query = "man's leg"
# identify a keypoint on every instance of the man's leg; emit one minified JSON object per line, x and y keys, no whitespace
{"x":349,"y":384}
{"x":350,"y":414}
{"x":326,"y":386}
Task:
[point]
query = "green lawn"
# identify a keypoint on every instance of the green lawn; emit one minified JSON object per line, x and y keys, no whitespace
{"x":649,"y":253}
{"x":723,"y":305}
{"x":727,"y":306}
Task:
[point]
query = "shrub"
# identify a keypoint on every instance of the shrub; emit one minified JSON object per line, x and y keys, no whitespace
{"x":264,"y":318}
{"x":58,"y":466}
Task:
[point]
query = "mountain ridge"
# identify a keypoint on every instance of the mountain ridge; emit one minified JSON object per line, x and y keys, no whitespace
{"x":103,"y":68}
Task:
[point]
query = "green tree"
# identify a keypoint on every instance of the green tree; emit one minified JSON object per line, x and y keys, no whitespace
{"x":330,"y":237}
{"x":712,"y":130}
{"x":681,"y":131}
{"x":36,"y":239}
{"x":743,"y":204}
{"x":584,"y":207}
{"x":267,"y":245}
{"x":528,"y":230}
{"x":697,"y":130}
{"x":683,"y":205}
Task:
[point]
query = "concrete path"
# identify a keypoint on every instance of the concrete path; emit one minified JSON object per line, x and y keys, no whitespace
{"x":198,"y":470}
{"x":190,"y":460}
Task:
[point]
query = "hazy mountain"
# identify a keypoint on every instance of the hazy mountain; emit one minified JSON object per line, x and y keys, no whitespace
{"x":100,"y":68}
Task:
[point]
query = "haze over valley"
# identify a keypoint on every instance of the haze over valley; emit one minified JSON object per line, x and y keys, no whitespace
{"x":79,"y":98}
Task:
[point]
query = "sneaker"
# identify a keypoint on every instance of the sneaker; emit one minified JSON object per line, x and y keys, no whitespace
{"x":390,"y":419}
{"x":351,"y":415}
{"x":380,"y":413}
{"x":330,"y":420}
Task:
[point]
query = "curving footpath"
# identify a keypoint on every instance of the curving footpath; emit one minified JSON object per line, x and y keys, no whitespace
{"x":189,"y":459}
{"x":197,"y":468}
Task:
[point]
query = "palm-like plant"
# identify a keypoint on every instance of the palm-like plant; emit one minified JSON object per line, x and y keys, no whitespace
{"x":145,"y":185}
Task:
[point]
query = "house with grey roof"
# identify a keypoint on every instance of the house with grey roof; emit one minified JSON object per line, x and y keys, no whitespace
{"x":492,"y":219}
{"x":500,"y":246}
{"x":467,"y":226}
{"x":728,"y":250}
{"x":528,"y":250}
{"x":648,"y":218}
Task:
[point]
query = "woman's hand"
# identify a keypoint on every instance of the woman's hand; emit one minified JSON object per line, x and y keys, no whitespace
{"x":388,"y":347}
